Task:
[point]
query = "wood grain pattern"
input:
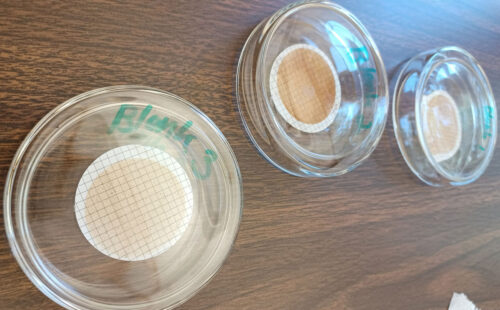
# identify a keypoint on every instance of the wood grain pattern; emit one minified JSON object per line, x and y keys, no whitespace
{"x":373,"y":239}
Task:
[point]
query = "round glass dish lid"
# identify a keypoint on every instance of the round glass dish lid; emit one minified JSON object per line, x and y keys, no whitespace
{"x":445,"y":117}
{"x":123,"y":198}
{"x":312,"y":90}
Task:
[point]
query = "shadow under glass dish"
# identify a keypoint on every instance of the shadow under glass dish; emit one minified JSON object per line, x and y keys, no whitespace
{"x":122,"y":198}
{"x":444,"y":116}
{"x":312,"y":90}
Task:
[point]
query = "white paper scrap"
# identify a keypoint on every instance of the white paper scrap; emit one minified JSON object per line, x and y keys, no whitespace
{"x":461,"y":302}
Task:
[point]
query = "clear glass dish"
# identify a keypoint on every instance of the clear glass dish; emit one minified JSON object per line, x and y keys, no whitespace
{"x":90,"y":238}
{"x":444,"y":117}
{"x":341,"y":72}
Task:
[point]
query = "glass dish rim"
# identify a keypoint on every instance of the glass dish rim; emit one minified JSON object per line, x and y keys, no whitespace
{"x":436,"y":58}
{"x":268,"y":27}
{"x":27,"y":262}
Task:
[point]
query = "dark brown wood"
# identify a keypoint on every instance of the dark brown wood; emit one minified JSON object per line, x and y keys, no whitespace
{"x":375,"y":238}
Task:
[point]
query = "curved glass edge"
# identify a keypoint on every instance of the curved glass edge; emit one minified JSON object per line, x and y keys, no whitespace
{"x":430,"y":57}
{"x":264,"y":30}
{"x":463,"y":55}
{"x":400,"y":83}
{"x":34,"y":270}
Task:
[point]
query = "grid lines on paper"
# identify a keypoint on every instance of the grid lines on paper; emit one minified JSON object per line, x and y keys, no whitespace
{"x":134,"y":202}
{"x":304,"y":87}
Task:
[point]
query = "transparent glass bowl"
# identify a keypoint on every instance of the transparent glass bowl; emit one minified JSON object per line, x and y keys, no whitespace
{"x":454,"y":73}
{"x":39,"y":200}
{"x":355,"y":130}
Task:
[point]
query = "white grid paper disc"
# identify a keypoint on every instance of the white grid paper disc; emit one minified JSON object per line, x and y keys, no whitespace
{"x":134,"y":202}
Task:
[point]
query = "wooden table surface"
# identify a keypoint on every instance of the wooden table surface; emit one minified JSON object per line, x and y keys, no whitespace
{"x":375,"y":238}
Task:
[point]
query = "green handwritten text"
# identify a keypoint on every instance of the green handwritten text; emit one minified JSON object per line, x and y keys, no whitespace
{"x":129,"y":118}
{"x":359,"y":56}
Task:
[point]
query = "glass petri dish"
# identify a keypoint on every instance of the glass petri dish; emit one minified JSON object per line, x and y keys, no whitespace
{"x":444,"y":117}
{"x":312,"y":90}
{"x":123,"y":197}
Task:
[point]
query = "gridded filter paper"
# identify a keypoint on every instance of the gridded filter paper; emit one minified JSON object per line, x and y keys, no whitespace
{"x":134,"y":202}
{"x":305,"y":88}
